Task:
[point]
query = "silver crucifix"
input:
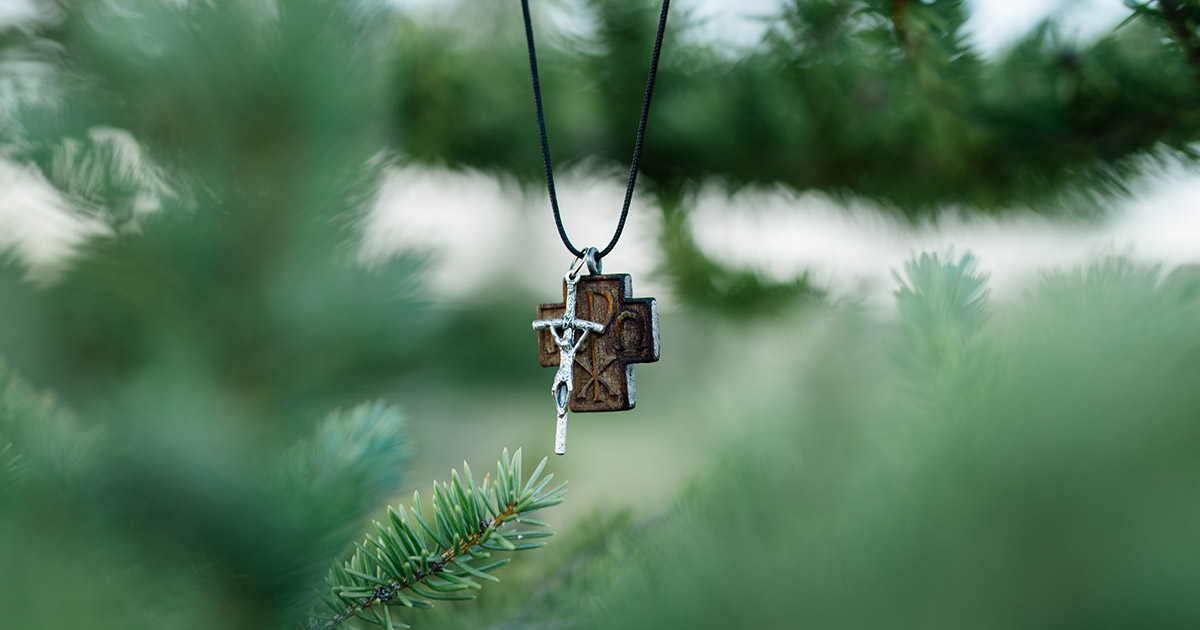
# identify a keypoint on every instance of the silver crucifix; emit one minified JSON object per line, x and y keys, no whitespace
{"x":563,"y":330}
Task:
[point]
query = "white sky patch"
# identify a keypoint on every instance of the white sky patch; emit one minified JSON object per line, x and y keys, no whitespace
{"x":479,"y":229}
{"x":995,"y":24}
{"x":738,"y":24}
{"x":107,"y":156}
{"x":854,"y":250}
{"x":17,"y":11}
{"x":35,"y":222}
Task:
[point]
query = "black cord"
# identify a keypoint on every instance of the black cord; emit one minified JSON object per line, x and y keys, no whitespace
{"x":637,"y":147}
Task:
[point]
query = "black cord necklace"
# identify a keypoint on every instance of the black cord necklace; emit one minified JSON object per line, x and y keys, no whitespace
{"x":637,"y":146}
{"x":617,"y":329}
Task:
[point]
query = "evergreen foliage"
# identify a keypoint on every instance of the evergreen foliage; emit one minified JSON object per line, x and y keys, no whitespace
{"x":434,"y":561}
{"x":227,"y":161}
{"x":38,"y":438}
{"x":223,"y":156}
{"x":976,"y":465}
{"x":265,"y":521}
{"x":885,"y":99}
{"x":264,"y":527}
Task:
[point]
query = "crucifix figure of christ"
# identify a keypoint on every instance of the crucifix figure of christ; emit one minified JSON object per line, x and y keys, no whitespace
{"x":562,"y":330}
{"x":595,"y":372}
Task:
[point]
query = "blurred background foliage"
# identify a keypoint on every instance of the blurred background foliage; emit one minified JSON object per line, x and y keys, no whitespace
{"x":883,"y":99}
{"x":183,"y":437}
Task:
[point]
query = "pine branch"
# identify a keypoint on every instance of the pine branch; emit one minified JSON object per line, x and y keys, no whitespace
{"x":430,"y":558}
{"x":942,"y":304}
{"x":362,"y":449}
{"x":934,"y":293}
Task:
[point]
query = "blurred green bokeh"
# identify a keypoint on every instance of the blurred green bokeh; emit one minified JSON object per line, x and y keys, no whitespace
{"x":188,"y":426}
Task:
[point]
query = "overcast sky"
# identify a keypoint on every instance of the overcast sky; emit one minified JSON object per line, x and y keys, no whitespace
{"x":994,"y":23}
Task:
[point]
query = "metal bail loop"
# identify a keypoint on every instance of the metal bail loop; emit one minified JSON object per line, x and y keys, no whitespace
{"x":594,"y":265}
{"x":576,"y":270}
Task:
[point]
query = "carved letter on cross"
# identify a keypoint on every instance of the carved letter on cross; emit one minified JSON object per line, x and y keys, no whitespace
{"x":603,"y":365}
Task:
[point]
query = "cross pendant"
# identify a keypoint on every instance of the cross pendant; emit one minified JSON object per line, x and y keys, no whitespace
{"x":616,"y":331}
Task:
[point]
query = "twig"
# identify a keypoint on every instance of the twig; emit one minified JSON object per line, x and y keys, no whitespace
{"x":384,"y":594}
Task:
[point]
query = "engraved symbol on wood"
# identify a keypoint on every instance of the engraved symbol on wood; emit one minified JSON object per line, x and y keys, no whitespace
{"x":603,"y":364}
{"x":598,"y":364}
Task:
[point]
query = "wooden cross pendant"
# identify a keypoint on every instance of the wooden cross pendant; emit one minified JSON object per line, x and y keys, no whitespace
{"x":595,"y":372}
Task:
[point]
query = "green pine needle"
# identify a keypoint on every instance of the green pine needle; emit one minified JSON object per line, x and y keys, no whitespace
{"x":413,"y":560}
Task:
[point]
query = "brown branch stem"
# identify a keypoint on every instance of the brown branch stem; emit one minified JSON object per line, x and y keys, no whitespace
{"x":384,"y":594}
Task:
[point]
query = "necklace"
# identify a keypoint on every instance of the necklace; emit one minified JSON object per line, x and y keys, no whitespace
{"x":615,"y":329}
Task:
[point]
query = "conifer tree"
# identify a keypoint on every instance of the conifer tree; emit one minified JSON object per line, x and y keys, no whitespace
{"x":883,"y":99}
{"x":183,"y":437}
{"x":181,"y":474}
